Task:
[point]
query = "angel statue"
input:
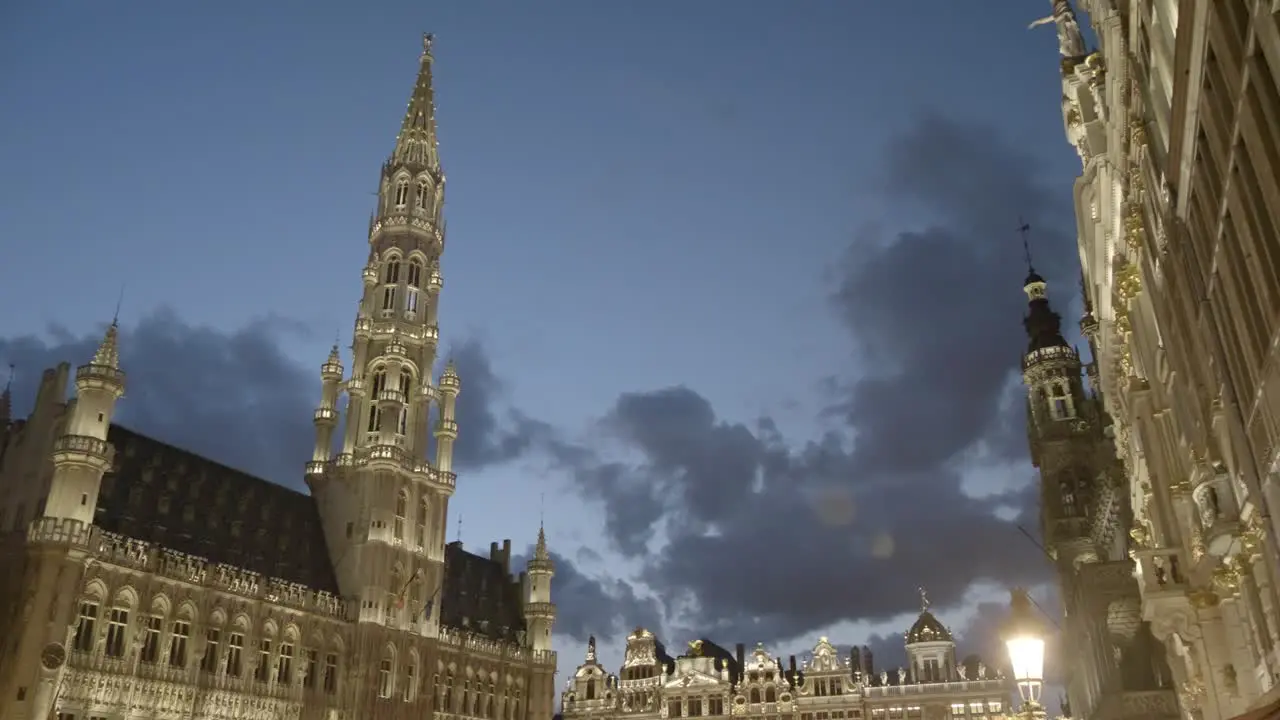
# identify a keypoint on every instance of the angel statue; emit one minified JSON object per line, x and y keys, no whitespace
{"x":695,"y":648}
{"x":1070,"y":41}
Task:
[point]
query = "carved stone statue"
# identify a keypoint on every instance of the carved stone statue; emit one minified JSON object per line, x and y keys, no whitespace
{"x":902,"y":676}
{"x":964,"y":672}
{"x":884,"y":677}
{"x":982,"y":671}
{"x":1070,"y":41}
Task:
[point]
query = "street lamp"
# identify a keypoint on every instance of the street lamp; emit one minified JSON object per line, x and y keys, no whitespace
{"x":1024,"y":637}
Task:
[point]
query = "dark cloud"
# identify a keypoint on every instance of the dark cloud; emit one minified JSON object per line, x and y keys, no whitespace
{"x":596,"y":605}
{"x":235,"y":397}
{"x":767,"y":538}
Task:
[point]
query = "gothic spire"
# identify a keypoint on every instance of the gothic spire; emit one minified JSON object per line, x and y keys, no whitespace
{"x":108,"y":353}
{"x":416,"y":144}
{"x":6,"y":399}
{"x":540,"y":550}
{"x":1043,"y":325}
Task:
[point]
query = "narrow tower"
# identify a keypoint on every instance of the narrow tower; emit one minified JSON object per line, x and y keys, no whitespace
{"x":1059,"y":428}
{"x":539,"y":611}
{"x":382,"y":500}
{"x":81,"y":455}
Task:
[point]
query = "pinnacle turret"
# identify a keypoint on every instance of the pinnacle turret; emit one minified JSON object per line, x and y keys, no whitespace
{"x":108,"y":353}
{"x":6,"y":399}
{"x":1043,"y":325}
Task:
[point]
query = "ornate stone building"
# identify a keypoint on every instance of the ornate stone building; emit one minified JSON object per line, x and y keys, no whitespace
{"x":139,"y":580}
{"x":1114,"y":667}
{"x":710,"y":681}
{"x":1175,"y":117}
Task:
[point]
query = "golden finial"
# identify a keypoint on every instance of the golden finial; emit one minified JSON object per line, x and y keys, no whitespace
{"x":924,"y":599}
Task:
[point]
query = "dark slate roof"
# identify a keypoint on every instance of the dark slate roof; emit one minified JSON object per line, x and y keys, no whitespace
{"x":927,"y":628}
{"x":480,"y":595}
{"x":179,"y":500}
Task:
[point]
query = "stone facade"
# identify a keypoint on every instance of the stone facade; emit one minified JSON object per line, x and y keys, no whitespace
{"x":1114,"y":667}
{"x":138,"y":580}
{"x":1176,"y":119}
{"x":709,"y":681}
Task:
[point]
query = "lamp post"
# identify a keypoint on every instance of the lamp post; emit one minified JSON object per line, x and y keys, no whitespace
{"x":1024,"y":638}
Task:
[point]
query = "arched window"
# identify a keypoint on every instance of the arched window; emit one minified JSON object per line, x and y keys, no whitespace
{"x":402,"y":511}
{"x":414,"y":286}
{"x":384,"y":678}
{"x":392,"y":275}
{"x":402,"y":424}
{"x":421,"y":531}
{"x":422,"y":193}
{"x":770,"y":695}
{"x":375,"y":418}
{"x":755,"y":695}
{"x":1060,"y":401}
{"x":404,"y":383}
{"x":410,"y":681}
{"x":402,"y":193}
{"x":591,"y":689}
{"x":389,"y":297}
{"x":379,"y":382}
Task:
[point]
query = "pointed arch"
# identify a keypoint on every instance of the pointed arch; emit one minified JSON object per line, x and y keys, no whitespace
{"x":424,"y":514}
{"x":95,"y":591}
{"x":218,"y":617}
{"x":126,"y":597}
{"x":401,"y":515}
{"x":187,"y":611}
{"x":387,"y":671}
{"x":411,"y":674}
{"x":160,"y":604}
{"x":401,"y":197}
{"x":422,"y":194}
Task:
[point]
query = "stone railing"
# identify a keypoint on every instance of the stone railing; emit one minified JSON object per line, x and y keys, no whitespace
{"x":128,"y":552}
{"x":989,"y":684}
{"x":478,"y":643}
{"x":399,"y":457}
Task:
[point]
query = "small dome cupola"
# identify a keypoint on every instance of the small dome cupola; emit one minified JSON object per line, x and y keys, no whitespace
{"x":928,"y":628}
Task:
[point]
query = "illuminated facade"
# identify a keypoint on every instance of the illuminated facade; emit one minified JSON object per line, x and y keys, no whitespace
{"x":138,"y":580}
{"x":710,"y":681}
{"x":1176,"y":119}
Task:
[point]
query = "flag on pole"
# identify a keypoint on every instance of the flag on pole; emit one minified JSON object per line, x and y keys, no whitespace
{"x":431,"y":601}
{"x":400,"y":597}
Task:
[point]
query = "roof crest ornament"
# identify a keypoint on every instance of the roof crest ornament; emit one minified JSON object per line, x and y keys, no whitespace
{"x":924,"y":599}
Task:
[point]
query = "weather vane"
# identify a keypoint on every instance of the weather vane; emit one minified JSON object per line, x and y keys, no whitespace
{"x":1024,"y":229}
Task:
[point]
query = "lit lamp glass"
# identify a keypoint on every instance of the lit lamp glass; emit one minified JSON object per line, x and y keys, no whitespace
{"x":1024,"y":638}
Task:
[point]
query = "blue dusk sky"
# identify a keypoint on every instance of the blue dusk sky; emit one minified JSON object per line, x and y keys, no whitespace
{"x":734,"y":286}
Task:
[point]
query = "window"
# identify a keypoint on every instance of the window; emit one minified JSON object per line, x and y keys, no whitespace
{"x":375,"y":418}
{"x":410,"y":680}
{"x":695,"y":707}
{"x":263,"y":670}
{"x":1060,"y":402}
{"x":405,"y":382}
{"x":755,"y":695}
{"x":284,"y":670}
{"x":384,"y":678}
{"x":84,"y":627}
{"x":117,"y":622}
{"x":331,"y":673}
{"x":389,"y":297}
{"x":422,"y":194}
{"x":673,"y":709}
{"x":770,"y":695}
{"x":402,"y":193}
{"x":402,"y":508}
{"x":212,"y":637}
{"x":422,"y":524}
{"x":402,"y":423}
{"x":392,"y":274}
{"x":415,"y":273}
{"x":715,"y":706}
{"x":235,"y":646}
{"x":994,"y":706}
{"x":311,"y":660}
{"x":178,"y":644}
{"x":151,"y":641}
{"x":411,"y":301}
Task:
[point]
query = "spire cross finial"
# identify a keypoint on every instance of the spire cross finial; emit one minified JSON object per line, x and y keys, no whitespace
{"x":542,"y":508}
{"x":459,"y":527}
{"x":924,"y":599}
{"x":8,"y":383}
{"x":115,"y":319}
{"x":427,"y":40}
{"x":1024,"y":229}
